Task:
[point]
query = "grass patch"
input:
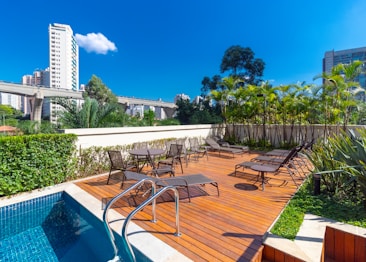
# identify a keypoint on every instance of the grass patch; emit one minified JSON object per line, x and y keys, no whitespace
{"x":304,"y":201}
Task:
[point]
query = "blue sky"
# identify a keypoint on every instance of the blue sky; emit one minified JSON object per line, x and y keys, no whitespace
{"x":157,"y":49}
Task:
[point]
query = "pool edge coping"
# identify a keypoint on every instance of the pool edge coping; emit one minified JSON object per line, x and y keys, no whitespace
{"x":149,"y":245}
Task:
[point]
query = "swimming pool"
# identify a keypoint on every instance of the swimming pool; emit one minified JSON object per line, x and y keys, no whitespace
{"x":21,"y":214}
{"x":54,"y":227}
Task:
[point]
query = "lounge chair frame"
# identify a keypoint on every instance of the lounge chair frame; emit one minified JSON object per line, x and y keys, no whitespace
{"x":182,"y":181}
{"x":214,"y":146}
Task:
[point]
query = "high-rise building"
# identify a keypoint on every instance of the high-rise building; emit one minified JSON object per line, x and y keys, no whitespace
{"x":39,"y":78}
{"x":63,"y":57}
{"x":181,"y":96}
{"x":64,"y":65}
{"x":333,"y":58}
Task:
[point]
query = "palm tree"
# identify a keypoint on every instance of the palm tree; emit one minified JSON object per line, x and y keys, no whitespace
{"x":339,"y":90}
{"x":225,"y":96}
{"x":90,"y":115}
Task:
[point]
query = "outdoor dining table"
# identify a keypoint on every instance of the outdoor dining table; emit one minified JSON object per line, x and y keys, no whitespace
{"x":141,"y":154}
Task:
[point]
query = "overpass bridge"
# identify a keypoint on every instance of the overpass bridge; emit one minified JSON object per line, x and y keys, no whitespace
{"x":38,"y":93}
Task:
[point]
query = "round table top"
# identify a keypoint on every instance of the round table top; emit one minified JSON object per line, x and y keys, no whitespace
{"x":143,"y":151}
{"x":264,"y":168}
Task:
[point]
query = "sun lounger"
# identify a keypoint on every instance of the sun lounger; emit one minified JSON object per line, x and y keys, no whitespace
{"x":227,"y":144}
{"x":213,"y":145}
{"x":263,"y":167}
{"x":180,"y":181}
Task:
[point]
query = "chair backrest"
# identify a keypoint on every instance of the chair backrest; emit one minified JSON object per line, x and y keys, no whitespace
{"x":150,"y":160}
{"x":291,"y":155}
{"x":212,"y":143}
{"x":182,"y":141}
{"x":193,"y":143}
{"x":116,"y":159}
{"x":157,"y":171}
{"x":175,"y":150}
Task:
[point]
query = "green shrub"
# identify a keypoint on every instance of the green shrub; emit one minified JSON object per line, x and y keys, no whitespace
{"x":94,"y":160}
{"x":323,"y":205}
{"x":36,"y":161}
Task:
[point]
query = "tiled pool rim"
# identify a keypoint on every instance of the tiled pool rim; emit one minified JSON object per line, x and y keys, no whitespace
{"x":146,"y":243}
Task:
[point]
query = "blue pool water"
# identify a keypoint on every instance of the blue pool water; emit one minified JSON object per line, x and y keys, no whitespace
{"x":52,"y":228}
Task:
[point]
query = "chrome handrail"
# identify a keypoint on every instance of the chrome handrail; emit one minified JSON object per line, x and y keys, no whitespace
{"x":113,"y":200}
{"x":126,"y":243}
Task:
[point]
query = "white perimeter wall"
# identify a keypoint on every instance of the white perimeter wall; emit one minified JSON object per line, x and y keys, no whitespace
{"x":88,"y":137}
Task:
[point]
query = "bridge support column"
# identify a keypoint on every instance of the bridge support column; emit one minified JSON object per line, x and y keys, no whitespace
{"x":169,"y":112}
{"x":36,"y":103}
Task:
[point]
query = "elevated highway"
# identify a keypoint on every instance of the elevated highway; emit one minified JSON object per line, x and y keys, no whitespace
{"x":38,"y":93}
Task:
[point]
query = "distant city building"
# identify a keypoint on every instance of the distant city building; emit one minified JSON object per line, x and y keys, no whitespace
{"x":197,"y":100}
{"x":64,"y":65}
{"x":39,"y":78}
{"x":181,"y":96}
{"x":12,"y":100}
{"x":333,"y":58}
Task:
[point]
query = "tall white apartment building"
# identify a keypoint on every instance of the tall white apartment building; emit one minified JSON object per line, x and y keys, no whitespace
{"x":64,"y":64}
{"x":63,"y":57}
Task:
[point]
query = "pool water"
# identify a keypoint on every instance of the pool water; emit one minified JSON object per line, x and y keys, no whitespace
{"x":52,"y":228}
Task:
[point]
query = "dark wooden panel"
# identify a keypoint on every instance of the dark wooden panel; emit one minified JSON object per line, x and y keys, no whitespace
{"x":339,"y":245}
{"x":349,"y":247}
{"x":329,"y":242}
{"x":360,"y":248}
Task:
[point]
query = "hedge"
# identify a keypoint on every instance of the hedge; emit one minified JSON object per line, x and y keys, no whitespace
{"x":36,"y":161}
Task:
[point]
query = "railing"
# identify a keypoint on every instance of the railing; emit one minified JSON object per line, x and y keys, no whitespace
{"x":113,"y":200}
{"x":152,"y":199}
{"x":126,"y":243}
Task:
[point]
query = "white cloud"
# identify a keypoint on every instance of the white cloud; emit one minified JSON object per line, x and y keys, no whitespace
{"x":97,"y":43}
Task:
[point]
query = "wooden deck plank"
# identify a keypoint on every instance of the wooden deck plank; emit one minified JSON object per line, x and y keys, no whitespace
{"x":229,"y":227}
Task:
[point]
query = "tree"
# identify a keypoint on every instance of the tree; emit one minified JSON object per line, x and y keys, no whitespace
{"x":149,"y":117}
{"x":97,"y":90}
{"x":339,"y":91}
{"x":184,"y":111}
{"x":225,"y":96}
{"x":210,"y":84}
{"x":241,"y":62}
{"x":90,"y":115}
{"x":201,"y":113}
{"x":9,"y":115}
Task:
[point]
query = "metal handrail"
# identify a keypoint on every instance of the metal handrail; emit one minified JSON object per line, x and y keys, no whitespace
{"x":113,"y":200}
{"x":126,"y":243}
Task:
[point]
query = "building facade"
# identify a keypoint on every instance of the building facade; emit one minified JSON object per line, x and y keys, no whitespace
{"x":333,"y":58}
{"x":63,"y":64}
{"x":63,"y":57}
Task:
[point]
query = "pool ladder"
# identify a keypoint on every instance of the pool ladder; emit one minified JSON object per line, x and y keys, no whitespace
{"x":152,"y":199}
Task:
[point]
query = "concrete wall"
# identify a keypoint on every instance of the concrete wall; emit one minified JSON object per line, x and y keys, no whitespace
{"x":88,"y":137}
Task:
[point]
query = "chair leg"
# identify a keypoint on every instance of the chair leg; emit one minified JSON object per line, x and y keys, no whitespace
{"x":123,"y":179}
{"x":110,"y":170}
{"x":181,"y":166}
{"x":189,"y":194}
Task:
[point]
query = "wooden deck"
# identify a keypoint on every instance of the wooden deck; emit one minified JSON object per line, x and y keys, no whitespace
{"x":229,"y":227}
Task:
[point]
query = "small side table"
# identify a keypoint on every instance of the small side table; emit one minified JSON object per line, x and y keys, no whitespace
{"x":262,"y":169}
